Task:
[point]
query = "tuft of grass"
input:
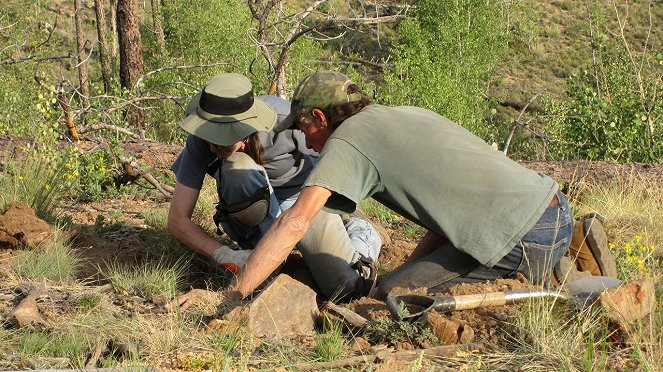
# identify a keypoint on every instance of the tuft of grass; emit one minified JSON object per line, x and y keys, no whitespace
{"x":156,"y":218}
{"x":331,"y":345}
{"x":546,"y":334}
{"x":156,"y":281}
{"x":88,"y":301}
{"x":37,"y":182}
{"x":56,"y":262}
{"x":633,"y":206}
{"x":35,"y":346}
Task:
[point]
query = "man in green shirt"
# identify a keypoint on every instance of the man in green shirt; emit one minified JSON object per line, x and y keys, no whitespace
{"x":486,"y":216}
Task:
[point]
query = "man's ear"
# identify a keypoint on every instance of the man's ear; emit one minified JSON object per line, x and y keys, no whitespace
{"x":320,"y":116}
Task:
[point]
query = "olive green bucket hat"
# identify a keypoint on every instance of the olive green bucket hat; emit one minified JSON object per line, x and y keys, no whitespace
{"x":226,"y":111}
{"x":321,"y":89}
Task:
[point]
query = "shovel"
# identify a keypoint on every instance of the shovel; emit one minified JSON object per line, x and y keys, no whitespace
{"x":579,"y":293}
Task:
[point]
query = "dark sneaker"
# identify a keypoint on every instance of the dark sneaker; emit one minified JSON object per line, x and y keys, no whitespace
{"x":368,"y":276}
{"x":589,"y":248}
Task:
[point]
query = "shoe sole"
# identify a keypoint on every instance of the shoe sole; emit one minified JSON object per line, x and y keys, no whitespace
{"x":597,"y":241}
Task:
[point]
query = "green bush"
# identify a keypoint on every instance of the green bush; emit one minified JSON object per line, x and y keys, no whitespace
{"x":612,"y":106}
{"x":608,"y":123}
{"x":445,"y":56}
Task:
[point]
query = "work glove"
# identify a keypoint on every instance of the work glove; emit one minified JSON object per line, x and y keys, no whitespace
{"x":230,"y":259}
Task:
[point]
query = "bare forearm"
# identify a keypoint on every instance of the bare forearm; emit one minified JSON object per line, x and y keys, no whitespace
{"x":273,"y":248}
{"x":280,"y":239}
{"x":191,"y":235}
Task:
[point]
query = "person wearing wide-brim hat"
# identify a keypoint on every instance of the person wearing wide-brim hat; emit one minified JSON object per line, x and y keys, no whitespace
{"x":259,"y":174}
{"x":486,"y":216}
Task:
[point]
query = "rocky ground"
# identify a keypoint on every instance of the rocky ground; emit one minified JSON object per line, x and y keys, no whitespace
{"x":20,"y":228}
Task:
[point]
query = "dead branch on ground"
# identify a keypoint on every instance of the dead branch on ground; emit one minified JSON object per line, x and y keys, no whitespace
{"x":134,"y":170}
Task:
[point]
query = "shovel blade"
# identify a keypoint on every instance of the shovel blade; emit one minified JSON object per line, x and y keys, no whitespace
{"x":584,"y":292}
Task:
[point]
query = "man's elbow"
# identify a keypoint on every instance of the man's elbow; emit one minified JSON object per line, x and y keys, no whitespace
{"x":296,"y":223}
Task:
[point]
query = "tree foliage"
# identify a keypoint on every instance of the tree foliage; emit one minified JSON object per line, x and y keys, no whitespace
{"x":445,"y":58}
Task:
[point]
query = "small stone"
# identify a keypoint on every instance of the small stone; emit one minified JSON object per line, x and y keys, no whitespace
{"x":27,"y":313}
{"x":446,"y":330}
{"x":466,"y":334}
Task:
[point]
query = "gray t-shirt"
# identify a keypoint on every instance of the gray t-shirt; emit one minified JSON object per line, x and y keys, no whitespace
{"x":436,"y":173}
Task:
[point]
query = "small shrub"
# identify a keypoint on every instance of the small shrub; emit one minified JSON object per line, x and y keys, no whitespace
{"x":106,"y":226}
{"x":386,"y":330}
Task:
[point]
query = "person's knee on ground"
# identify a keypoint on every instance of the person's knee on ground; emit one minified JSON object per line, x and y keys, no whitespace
{"x":331,"y":252}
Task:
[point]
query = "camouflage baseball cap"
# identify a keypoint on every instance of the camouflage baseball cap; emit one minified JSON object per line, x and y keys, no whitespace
{"x":321,"y":89}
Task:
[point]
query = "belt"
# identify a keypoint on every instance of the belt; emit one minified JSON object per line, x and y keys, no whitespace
{"x":554,"y":201}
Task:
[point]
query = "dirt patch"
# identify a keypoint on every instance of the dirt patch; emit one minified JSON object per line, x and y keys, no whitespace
{"x":20,"y":226}
{"x":393,"y":254}
{"x":486,"y":323}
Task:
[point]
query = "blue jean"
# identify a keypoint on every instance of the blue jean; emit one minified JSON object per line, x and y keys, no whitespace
{"x":329,"y":247}
{"x":534,"y":256}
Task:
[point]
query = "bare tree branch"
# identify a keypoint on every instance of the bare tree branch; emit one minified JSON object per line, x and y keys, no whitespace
{"x":283,"y":40}
{"x":170,"y":68}
{"x":517,"y":122}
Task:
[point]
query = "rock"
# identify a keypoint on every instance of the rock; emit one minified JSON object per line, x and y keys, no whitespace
{"x":360,"y":345}
{"x":446,"y":330}
{"x":466,"y":334}
{"x":285,"y":307}
{"x":629,"y":302}
{"x":27,"y":313}
{"x":19,"y":225}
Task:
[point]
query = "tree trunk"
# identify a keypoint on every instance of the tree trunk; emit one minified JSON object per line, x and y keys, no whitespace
{"x":106,"y":71}
{"x":158,"y":27}
{"x":131,"y":57}
{"x":113,"y":28}
{"x":84,"y":93}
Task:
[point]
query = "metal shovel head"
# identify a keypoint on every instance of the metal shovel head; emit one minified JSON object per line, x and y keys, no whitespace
{"x":584,"y":292}
{"x":579,"y":293}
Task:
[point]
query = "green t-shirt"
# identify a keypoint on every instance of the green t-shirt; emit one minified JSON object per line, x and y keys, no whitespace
{"x":436,"y":173}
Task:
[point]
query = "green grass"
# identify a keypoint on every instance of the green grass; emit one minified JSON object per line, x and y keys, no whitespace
{"x":331,"y":344}
{"x":37,"y":182}
{"x":55,"y":262}
{"x":38,"y":346}
{"x":88,"y":301}
{"x":156,"y":281}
